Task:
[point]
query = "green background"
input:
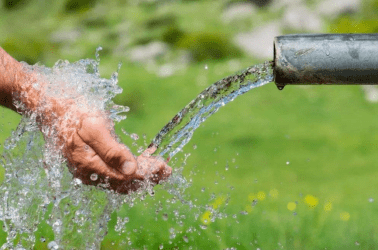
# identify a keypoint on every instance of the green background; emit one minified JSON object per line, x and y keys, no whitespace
{"x":306,"y":155}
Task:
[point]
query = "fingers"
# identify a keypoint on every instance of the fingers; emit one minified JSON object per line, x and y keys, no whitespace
{"x":86,"y":162}
{"x":149,"y":151}
{"x":95,"y":132}
{"x":152,"y":167}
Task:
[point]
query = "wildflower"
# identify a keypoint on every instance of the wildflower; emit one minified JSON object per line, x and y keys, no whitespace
{"x":291,"y":206}
{"x":205,"y":218}
{"x":248,"y":208}
{"x":345,"y":216}
{"x":251,"y":197}
{"x":273,"y":193}
{"x":261,"y":195}
{"x":311,"y":201}
{"x":328,"y":206}
{"x":219,"y":201}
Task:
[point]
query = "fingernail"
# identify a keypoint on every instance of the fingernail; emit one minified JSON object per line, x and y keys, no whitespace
{"x":129,"y":168}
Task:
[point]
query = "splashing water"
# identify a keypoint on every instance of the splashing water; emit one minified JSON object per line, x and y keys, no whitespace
{"x":178,"y":132}
{"x":38,"y":190}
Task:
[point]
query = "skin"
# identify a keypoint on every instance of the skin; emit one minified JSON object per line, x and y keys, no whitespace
{"x":86,"y":140}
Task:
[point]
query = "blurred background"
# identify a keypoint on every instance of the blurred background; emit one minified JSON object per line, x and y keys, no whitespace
{"x":299,"y":166}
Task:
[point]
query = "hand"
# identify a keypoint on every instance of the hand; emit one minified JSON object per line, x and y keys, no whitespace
{"x":95,"y":157}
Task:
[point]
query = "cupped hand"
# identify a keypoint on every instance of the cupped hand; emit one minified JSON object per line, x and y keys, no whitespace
{"x":94,"y":156}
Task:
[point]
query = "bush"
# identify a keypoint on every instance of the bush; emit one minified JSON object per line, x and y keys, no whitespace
{"x":78,"y":5}
{"x":14,"y":4}
{"x":25,"y":49}
{"x":205,"y":46}
{"x":173,"y":35}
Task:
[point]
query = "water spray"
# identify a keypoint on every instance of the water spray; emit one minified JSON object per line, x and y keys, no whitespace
{"x":336,"y":59}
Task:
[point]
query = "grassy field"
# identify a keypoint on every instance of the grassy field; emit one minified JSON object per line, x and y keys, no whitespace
{"x":291,"y":169}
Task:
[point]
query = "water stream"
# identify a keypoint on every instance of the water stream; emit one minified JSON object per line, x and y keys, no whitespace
{"x":45,"y":204}
{"x":178,"y":132}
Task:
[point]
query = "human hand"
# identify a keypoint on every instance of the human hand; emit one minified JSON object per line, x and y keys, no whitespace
{"x":95,"y":157}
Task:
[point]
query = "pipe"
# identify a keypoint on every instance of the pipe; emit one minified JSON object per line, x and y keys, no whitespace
{"x":335,"y":59}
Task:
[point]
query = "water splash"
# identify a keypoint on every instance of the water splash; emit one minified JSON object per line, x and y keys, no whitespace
{"x":178,"y":132}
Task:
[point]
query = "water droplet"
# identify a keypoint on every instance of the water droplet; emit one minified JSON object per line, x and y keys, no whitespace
{"x":327,"y":53}
{"x":140,"y":149}
{"x":52,"y":245}
{"x":134,"y":136}
{"x":77,"y":181}
{"x":93,"y":177}
{"x":371,"y":199}
{"x":185,"y":238}
{"x":124,"y":131}
{"x":165,"y":217}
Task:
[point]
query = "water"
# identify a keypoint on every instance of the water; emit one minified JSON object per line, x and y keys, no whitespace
{"x":178,"y":132}
{"x":40,"y":202}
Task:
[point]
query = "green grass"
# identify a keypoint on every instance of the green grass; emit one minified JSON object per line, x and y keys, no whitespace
{"x":327,"y":134}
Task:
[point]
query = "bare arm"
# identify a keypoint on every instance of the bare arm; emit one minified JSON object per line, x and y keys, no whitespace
{"x":10,"y":71}
{"x":85,"y":139}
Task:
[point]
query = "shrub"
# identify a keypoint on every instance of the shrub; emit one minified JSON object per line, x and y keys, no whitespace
{"x":205,"y":46}
{"x":14,"y":4}
{"x":78,"y":5}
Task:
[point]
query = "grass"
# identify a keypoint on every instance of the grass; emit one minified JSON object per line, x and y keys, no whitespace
{"x":301,"y":162}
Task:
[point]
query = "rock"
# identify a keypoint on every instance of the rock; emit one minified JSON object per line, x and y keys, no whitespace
{"x":148,"y":52}
{"x":238,"y":11}
{"x":301,"y":18}
{"x":332,"y":8}
{"x":278,"y":4}
{"x":371,"y":93}
{"x":259,"y":42}
{"x":65,"y":36}
{"x":261,"y":3}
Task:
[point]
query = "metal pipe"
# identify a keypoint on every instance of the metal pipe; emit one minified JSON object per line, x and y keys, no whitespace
{"x":326,"y":59}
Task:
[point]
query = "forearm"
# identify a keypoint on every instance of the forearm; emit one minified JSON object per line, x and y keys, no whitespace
{"x":10,"y":73}
{"x":18,"y":84}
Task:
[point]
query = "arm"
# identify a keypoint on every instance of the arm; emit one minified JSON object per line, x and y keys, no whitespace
{"x":10,"y":70}
{"x":86,"y":139}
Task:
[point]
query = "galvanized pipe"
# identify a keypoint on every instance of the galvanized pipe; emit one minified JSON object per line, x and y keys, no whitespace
{"x":326,"y":59}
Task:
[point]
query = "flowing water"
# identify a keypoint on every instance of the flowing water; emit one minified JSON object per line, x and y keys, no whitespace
{"x":178,"y":132}
{"x":40,"y":202}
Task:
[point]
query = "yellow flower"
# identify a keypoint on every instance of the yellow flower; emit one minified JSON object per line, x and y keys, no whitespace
{"x":261,"y":195}
{"x":218,"y":202}
{"x":248,"y":208}
{"x":345,"y":216}
{"x":291,"y":206}
{"x":328,"y":206}
{"x":251,"y":197}
{"x":273,"y":193}
{"x":311,"y":200}
{"x":205,"y":218}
